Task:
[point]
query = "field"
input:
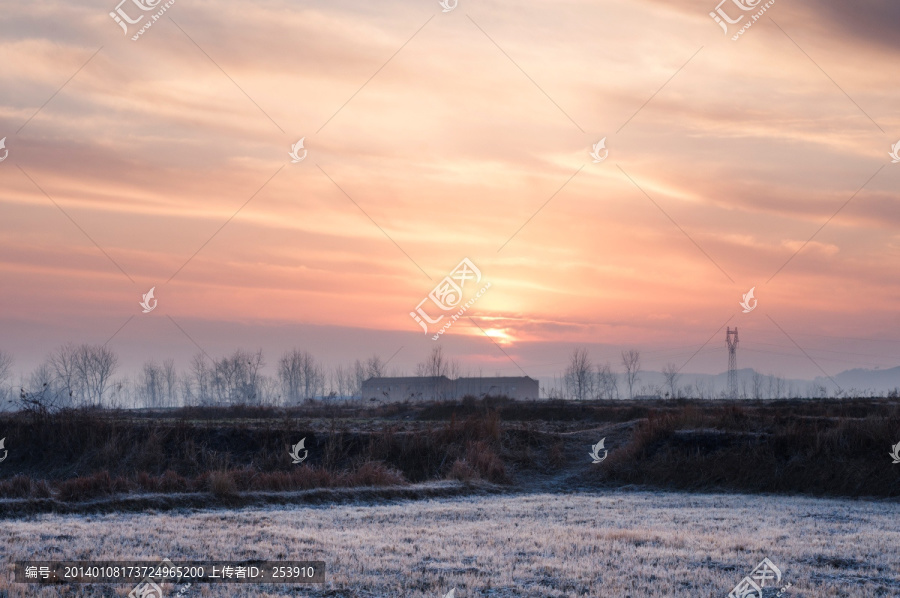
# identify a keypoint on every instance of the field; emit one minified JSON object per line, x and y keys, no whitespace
{"x":494,"y":498}
{"x":113,"y":460}
{"x":627,"y":544}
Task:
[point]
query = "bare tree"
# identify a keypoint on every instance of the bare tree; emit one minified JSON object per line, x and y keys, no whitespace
{"x":73,"y":375}
{"x":200,"y":382}
{"x":254,"y":383}
{"x":187,"y":390}
{"x":579,"y":376}
{"x":84,"y":372}
{"x":6,"y":361}
{"x":96,"y":365}
{"x":756,"y":382}
{"x":631,"y":359}
{"x":62,"y":362}
{"x":375,"y":367}
{"x":150,"y":385}
{"x":670,"y":373}
{"x":268,"y":390}
{"x":704,"y":388}
{"x":776,"y":387}
{"x":300,"y":376}
{"x":170,"y":378}
{"x":816,"y":390}
{"x":437,"y":365}
{"x":555,"y":390}
{"x":237,"y":378}
{"x":607,"y":382}
{"x":360,"y":375}
{"x":341,"y":380}
{"x":158,"y":384}
{"x":43,"y":393}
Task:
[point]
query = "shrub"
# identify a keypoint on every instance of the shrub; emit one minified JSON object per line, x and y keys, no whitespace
{"x":375,"y":473}
{"x":19,"y":486}
{"x":99,"y":484}
{"x":221,"y":483}
{"x":486,"y":462}
{"x":462,"y":471}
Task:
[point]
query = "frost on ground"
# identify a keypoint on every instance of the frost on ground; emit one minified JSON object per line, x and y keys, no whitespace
{"x":617,"y":544}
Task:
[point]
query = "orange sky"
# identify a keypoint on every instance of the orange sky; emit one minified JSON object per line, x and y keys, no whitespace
{"x":435,"y":136}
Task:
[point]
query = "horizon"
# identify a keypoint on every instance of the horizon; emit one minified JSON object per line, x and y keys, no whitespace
{"x":270,"y":384}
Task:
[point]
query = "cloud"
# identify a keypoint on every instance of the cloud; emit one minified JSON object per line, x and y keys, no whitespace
{"x":443,"y":148}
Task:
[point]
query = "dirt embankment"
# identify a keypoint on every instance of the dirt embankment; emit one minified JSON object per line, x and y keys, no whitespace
{"x":118,"y":460}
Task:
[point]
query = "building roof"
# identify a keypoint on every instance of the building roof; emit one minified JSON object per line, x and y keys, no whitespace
{"x":504,"y":379}
{"x":407,"y":379}
{"x":433,"y":379}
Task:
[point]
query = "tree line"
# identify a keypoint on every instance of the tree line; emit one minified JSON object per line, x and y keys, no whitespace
{"x":584,"y":380}
{"x":84,"y":375}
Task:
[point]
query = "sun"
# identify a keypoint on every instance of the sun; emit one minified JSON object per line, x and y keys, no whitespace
{"x":500,"y":335}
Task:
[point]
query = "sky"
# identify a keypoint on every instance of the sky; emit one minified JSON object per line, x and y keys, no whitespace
{"x":430,"y":137}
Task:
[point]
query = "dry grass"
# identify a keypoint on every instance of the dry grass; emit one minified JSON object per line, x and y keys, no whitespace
{"x":622,"y":544}
{"x":835,"y":448}
{"x":99,"y":454}
{"x":760,"y":450}
{"x":221,"y":483}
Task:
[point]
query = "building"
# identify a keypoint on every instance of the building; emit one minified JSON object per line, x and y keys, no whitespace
{"x":409,"y":388}
{"x":428,"y":388}
{"x":514,"y":387}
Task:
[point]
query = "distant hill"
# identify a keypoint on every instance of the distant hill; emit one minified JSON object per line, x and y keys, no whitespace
{"x":861,"y":379}
{"x":750,"y":383}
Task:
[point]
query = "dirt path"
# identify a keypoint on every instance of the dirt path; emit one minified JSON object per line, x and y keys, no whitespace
{"x":574,"y":469}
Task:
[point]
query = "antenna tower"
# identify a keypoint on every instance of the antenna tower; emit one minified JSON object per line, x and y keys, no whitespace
{"x":731,"y":339}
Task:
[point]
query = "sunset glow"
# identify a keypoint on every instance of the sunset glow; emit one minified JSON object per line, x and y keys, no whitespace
{"x":164,"y":163}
